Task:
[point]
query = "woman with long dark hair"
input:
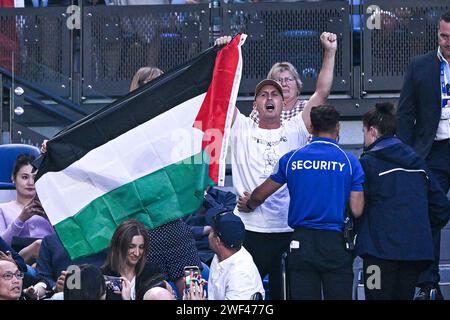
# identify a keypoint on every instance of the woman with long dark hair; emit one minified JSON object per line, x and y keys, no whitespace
{"x":126,"y":260}
{"x":24,"y":217}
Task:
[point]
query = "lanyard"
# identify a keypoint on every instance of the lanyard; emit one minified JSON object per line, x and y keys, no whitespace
{"x":445,"y":88}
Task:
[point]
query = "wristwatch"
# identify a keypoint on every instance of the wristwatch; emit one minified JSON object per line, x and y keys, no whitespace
{"x":248,"y":206}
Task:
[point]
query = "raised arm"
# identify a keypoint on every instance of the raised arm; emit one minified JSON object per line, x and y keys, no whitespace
{"x":325,"y":78}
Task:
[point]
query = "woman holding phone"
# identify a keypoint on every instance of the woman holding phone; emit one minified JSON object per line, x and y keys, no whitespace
{"x":126,"y":260}
{"x":24,"y":217}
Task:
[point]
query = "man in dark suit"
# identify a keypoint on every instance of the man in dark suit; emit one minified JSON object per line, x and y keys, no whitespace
{"x":423,"y":121}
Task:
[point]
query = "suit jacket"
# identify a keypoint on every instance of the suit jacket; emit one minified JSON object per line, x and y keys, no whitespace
{"x":419,"y":109}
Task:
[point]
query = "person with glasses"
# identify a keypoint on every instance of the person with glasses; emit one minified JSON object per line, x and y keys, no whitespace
{"x":233,"y":275}
{"x":286,"y":74}
{"x":10,"y":281}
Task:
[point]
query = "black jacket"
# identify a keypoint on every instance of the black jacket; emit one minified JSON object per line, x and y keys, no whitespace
{"x":53,"y":259}
{"x":419,"y":109}
{"x":403,"y":202}
{"x":214,"y":198}
{"x":148,"y":273}
{"x":4,"y":247}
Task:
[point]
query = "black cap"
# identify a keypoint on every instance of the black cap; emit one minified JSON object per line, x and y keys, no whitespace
{"x":228,"y":226}
{"x":269,"y":82}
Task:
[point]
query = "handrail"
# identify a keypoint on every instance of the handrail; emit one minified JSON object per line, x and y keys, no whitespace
{"x":67,"y":103}
{"x":45,"y":107}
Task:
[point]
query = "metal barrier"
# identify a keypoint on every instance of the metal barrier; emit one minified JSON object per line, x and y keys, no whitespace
{"x":290,"y":32}
{"x":118,"y":40}
{"x":406,"y":29}
{"x":33,"y":35}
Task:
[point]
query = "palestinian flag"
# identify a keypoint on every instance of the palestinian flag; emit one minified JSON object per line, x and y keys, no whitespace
{"x":148,"y":156}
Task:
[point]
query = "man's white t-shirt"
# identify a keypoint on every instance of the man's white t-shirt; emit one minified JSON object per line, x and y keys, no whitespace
{"x":254,"y":155}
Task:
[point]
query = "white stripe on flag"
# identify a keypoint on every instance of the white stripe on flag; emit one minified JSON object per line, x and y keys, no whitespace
{"x":159,"y":142}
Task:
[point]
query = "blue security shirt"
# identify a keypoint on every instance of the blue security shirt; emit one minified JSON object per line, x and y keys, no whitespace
{"x":319,"y":177}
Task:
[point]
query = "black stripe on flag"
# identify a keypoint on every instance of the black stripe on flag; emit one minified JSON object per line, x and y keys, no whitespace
{"x":158,"y":96}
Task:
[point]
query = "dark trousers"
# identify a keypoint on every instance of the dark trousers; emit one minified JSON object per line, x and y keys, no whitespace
{"x":438,"y":160}
{"x":266,"y":250}
{"x":320,"y":265}
{"x":396,"y":279}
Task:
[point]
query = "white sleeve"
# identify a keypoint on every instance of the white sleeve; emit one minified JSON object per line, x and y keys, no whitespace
{"x":239,"y":121}
{"x":298,"y":125}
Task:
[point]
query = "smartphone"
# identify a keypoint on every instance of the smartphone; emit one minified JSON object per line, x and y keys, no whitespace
{"x":113,"y":284}
{"x":191,"y":274}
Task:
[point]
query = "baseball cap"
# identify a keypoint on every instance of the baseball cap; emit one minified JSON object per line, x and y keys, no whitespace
{"x":228,"y":226}
{"x":270,"y":82}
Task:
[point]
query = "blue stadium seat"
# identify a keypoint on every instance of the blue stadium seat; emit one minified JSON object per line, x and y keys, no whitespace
{"x":8,"y":155}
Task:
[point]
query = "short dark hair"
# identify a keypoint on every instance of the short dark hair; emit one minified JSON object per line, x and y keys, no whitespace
{"x":445,"y":17}
{"x":92,"y":284}
{"x":22,"y":161}
{"x":324,"y":118}
{"x":382,"y":117}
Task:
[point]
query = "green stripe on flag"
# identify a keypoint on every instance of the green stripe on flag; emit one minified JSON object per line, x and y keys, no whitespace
{"x":160,"y":197}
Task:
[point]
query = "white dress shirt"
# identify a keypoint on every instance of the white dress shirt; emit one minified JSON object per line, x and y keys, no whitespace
{"x":235,"y":278}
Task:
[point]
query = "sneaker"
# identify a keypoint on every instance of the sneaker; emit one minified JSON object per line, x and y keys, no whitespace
{"x":429,"y":293}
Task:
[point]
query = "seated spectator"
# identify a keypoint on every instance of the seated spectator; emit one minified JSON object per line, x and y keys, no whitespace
{"x":233,"y":274}
{"x":9,"y":254}
{"x":53,"y":262}
{"x":126,"y":259}
{"x":156,"y":288}
{"x":158,"y":293}
{"x":156,"y":281}
{"x":10,"y":281}
{"x":197,"y":222}
{"x":24,"y":217}
{"x":91,"y":287}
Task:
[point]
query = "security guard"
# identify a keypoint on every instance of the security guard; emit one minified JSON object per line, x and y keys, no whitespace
{"x":322,"y":179}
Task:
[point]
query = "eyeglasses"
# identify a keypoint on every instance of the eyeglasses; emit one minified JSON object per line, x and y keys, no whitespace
{"x":285,"y":80}
{"x":9,"y":275}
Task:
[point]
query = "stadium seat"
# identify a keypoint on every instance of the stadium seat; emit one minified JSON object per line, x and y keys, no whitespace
{"x":8,"y":155}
